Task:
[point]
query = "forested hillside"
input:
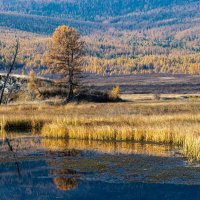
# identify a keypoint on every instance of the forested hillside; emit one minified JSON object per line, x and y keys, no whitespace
{"x":87,"y":9}
{"x":122,"y":37}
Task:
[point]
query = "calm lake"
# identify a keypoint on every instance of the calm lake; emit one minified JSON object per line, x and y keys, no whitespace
{"x":36,"y":168}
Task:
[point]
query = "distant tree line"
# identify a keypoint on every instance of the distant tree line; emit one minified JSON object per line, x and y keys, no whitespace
{"x":93,"y":10}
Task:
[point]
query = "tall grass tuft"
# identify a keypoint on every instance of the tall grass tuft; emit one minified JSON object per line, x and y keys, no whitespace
{"x":180,"y":130}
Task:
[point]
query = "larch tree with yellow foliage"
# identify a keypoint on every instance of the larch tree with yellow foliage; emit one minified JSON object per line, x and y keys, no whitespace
{"x":65,"y":57}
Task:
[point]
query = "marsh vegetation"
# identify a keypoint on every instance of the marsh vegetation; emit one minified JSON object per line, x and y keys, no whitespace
{"x":175,"y":122}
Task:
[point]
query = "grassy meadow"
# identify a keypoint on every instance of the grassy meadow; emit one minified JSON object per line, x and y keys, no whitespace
{"x":173,"y":119}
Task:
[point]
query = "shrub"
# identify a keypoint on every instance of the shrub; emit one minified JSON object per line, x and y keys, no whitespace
{"x":157,"y":97}
{"x":93,"y":96}
{"x":114,"y":94}
{"x":32,"y":85}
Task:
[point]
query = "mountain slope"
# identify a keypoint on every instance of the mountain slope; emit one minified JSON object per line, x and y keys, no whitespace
{"x":164,"y":35}
{"x":87,"y":9}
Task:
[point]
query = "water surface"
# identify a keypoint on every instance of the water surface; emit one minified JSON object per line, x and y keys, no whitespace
{"x":36,"y":168}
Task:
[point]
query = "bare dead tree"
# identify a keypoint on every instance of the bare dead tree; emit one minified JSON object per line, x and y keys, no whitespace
{"x":11,"y":66}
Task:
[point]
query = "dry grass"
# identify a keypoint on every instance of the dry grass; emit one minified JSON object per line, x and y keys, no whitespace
{"x":173,"y":122}
{"x":182,"y":130}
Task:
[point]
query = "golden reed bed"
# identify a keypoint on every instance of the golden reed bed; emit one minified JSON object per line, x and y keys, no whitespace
{"x":174,"y":122}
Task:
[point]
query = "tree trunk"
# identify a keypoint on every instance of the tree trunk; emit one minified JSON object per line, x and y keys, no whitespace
{"x":9,"y":71}
{"x":70,"y":82}
{"x":71,"y":93}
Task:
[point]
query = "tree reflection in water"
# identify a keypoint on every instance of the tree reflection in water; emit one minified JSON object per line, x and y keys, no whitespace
{"x":63,"y":182}
{"x":64,"y":179}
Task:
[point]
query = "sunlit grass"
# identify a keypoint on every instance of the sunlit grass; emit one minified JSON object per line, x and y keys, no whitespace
{"x":174,"y":122}
{"x":170,"y":129}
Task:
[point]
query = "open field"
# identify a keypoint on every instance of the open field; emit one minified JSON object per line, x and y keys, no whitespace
{"x":174,"y":121}
{"x":169,"y":87}
{"x":148,"y":83}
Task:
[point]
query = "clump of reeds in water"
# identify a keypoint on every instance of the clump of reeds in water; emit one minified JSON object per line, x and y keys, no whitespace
{"x":182,"y":131}
{"x":2,"y":124}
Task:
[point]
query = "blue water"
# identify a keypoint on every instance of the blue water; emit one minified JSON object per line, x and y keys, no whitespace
{"x":36,"y":173}
{"x":90,"y":190}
